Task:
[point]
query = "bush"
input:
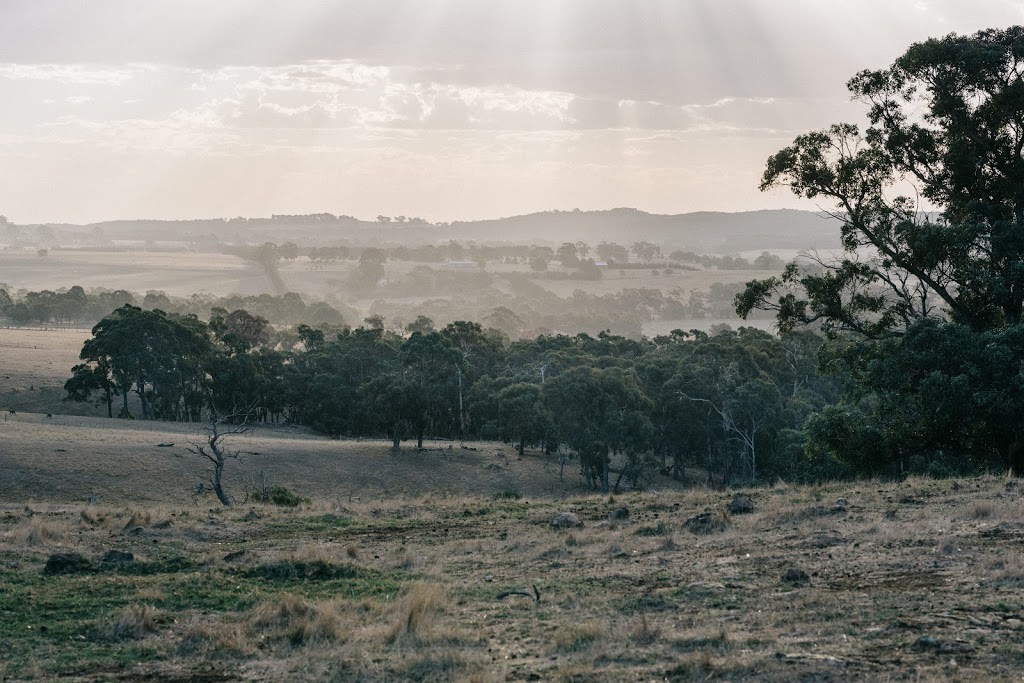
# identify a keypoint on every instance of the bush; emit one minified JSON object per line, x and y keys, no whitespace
{"x":279,"y":495}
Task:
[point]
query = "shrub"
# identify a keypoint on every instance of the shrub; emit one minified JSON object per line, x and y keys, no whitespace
{"x":279,"y":495}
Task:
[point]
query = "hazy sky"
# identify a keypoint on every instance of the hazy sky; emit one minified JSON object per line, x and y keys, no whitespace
{"x":445,"y":109}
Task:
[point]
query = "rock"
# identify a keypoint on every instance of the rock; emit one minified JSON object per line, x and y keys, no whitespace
{"x":618,"y":515}
{"x":928,"y":643}
{"x":841,"y":503}
{"x":566,"y":520}
{"x":796,"y":577}
{"x":67,"y":563}
{"x":741,"y":505}
{"x":237,"y":555}
{"x":707,"y":523}
{"x":117,"y":558}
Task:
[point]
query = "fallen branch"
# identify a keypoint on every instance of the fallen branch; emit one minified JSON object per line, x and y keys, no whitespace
{"x":535,"y":595}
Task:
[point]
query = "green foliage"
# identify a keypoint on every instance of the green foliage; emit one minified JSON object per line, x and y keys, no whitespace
{"x":279,"y":495}
{"x":926,"y":308}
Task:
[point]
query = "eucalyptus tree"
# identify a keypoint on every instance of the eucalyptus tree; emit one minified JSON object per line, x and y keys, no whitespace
{"x":937,"y":273}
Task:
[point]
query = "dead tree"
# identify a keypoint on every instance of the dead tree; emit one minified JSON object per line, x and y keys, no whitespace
{"x":215,"y":450}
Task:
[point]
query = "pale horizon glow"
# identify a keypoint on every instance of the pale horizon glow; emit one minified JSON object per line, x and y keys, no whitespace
{"x":441,"y":109}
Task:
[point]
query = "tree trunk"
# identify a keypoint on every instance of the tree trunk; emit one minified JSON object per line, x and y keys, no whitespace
{"x":110,"y":402}
{"x":604,"y":471}
{"x":218,"y":470}
{"x":522,"y":445}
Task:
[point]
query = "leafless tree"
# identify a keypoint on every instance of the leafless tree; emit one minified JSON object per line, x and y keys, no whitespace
{"x":215,"y":449}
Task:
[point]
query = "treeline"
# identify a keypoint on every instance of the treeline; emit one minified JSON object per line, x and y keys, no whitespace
{"x":733,"y":404}
{"x":538,"y":257}
{"x":76,"y":305}
{"x":511,"y":302}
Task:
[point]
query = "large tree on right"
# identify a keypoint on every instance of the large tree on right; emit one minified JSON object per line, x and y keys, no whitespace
{"x":930,"y":199}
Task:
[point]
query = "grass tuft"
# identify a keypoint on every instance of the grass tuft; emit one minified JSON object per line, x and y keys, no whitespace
{"x":132,"y":622}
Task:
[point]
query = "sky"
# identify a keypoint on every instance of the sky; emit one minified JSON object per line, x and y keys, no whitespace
{"x":441,"y":109}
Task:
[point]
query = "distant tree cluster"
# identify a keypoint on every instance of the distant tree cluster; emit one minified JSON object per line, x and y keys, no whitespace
{"x":75,"y":305}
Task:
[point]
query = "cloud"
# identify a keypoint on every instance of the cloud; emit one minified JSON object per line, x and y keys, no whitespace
{"x":75,"y":74}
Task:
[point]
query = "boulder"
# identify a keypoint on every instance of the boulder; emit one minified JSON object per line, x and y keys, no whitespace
{"x":707,"y":523}
{"x":619,"y":515}
{"x":117,"y":558}
{"x":67,"y":563}
{"x":796,"y":577}
{"x":566,"y":520}
{"x":741,"y":505}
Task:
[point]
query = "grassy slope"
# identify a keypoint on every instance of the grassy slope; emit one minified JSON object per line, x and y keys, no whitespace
{"x":67,"y":458}
{"x":407,"y":589}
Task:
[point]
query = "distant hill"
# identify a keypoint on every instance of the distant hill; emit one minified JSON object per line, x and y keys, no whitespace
{"x":706,"y":232}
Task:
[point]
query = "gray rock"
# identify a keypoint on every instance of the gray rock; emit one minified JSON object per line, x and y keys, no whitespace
{"x":117,"y":558}
{"x":566,"y":520}
{"x":796,"y":577}
{"x":706,"y":523}
{"x":619,"y":515}
{"x":741,"y":505}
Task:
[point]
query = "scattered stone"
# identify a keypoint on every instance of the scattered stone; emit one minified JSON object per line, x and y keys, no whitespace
{"x":67,"y":563}
{"x":619,"y":515}
{"x":566,"y":520}
{"x":707,"y":523}
{"x":910,"y":500}
{"x":796,"y":577}
{"x":928,"y":643}
{"x":237,"y":555}
{"x":741,"y":505}
{"x":841,"y":503}
{"x":488,"y":578}
{"x":117,"y":557}
{"x":165,"y":524}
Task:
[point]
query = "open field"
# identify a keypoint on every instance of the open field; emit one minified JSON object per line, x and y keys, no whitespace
{"x":67,"y":458}
{"x":177,"y":273}
{"x":185,"y":273}
{"x":34,"y":364}
{"x":916,"y":581}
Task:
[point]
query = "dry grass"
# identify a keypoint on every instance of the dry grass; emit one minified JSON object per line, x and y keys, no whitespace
{"x":38,"y":532}
{"x":416,"y":615}
{"x":218,"y":639}
{"x":300,"y":622}
{"x":132,"y":622}
{"x":435,"y":591}
{"x":71,"y":459}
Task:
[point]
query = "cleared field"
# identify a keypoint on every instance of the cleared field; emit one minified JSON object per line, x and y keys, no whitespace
{"x":34,"y":364}
{"x":177,"y":273}
{"x":915,"y":581}
{"x":67,"y":458}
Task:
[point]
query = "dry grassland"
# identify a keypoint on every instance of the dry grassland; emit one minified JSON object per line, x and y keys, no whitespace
{"x":34,"y":364}
{"x":65,"y":458}
{"x":919,"y":581}
{"x":177,"y":273}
